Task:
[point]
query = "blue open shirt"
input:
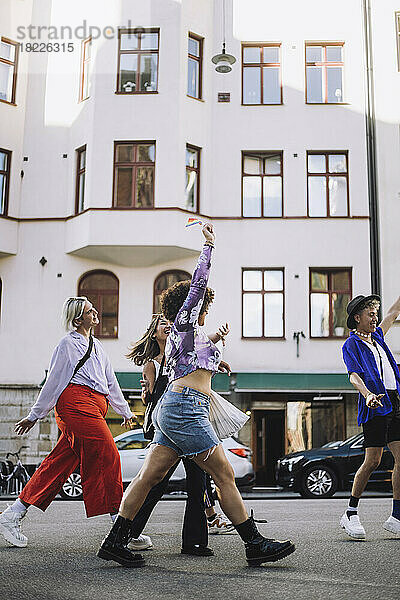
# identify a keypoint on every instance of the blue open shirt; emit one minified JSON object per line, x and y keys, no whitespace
{"x":359,"y":358}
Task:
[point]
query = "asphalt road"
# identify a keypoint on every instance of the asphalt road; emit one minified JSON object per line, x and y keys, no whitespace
{"x":60,"y":561}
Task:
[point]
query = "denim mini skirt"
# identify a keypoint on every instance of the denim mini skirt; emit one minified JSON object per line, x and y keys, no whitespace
{"x":181,"y":422}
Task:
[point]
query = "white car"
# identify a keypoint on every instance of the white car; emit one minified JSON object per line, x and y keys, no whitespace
{"x":132,"y":447}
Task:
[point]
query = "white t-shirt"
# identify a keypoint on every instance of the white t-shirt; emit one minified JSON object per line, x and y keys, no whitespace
{"x":389,"y":378}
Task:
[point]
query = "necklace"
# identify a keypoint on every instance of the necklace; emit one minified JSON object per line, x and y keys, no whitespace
{"x":364,"y":335}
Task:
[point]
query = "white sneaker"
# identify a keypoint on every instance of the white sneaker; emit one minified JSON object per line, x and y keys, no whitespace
{"x":392,"y":525}
{"x":10,"y":528}
{"x":220,"y":525}
{"x":352,"y":526}
{"x":143,"y":542}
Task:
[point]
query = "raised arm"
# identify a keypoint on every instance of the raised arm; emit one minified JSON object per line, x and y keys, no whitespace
{"x":189,"y":312}
{"x":389,"y":319}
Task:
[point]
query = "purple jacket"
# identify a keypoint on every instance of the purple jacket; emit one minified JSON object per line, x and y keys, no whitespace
{"x":188,"y":348}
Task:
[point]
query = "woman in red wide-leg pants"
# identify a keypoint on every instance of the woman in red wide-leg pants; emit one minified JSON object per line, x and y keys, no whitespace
{"x":79,"y":386}
{"x":86,"y":441}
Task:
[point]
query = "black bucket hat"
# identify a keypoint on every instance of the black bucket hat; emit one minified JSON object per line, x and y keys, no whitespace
{"x":354,"y":305}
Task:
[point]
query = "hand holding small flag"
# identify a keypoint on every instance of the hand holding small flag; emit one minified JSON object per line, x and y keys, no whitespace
{"x":193,"y":221}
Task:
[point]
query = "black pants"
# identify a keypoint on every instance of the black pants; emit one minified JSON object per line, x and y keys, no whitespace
{"x":194,"y":529}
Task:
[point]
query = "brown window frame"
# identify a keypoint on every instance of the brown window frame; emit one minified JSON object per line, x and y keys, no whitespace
{"x":327,"y":175}
{"x":139,"y":51}
{"x":196,"y":170}
{"x":262,"y":65}
{"x":397,"y":24}
{"x":162,"y":274}
{"x":85,"y":69}
{"x":79,"y":173}
{"x":324,"y":64}
{"x":100,"y":293}
{"x":198,"y":59}
{"x":14,"y":64}
{"x":263,"y":293}
{"x":134,"y":166}
{"x":7,"y":173}
{"x":265,"y":153}
{"x":329,"y":271}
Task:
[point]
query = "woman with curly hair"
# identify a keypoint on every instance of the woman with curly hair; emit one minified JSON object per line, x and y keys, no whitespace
{"x":182,"y":425}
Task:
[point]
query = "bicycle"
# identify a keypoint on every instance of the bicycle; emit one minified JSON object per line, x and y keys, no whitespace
{"x":13,"y":477}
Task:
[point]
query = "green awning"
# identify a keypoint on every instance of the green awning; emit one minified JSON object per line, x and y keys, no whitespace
{"x":301,"y":382}
{"x":131,"y":381}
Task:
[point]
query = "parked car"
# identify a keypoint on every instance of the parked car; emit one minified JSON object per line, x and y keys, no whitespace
{"x":132,"y":447}
{"x":321,"y":472}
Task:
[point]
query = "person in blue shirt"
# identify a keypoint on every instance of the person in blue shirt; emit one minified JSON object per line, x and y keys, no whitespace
{"x":375,"y":375}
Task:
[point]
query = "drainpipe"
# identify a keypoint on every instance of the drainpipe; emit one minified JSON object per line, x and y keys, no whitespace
{"x":370,"y":124}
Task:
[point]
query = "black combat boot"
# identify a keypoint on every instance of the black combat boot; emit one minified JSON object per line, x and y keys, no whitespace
{"x":260,"y":549}
{"x":114,"y":546}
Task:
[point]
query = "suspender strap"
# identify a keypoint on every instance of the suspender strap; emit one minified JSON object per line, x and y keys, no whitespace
{"x":85,"y":357}
{"x":380,"y":360}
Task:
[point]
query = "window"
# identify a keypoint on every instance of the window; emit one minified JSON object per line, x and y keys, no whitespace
{"x":192,"y":190}
{"x":324,"y":73}
{"x":5,"y":162}
{"x":137,"y":61}
{"x":397,"y":17}
{"x":134,"y":174}
{"x":84,"y":87}
{"x":8,"y":69}
{"x":135,"y":441}
{"x":261,"y":74}
{"x":80,"y":179}
{"x":195,"y":66}
{"x":330,"y":292}
{"x":262,"y":184}
{"x":102,"y":289}
{"x":263,"y":303}
{"x":327,"y":184}
{"x":163,"y":282}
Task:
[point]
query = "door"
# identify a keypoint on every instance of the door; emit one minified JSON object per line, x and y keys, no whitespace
{"x":269,"y":432}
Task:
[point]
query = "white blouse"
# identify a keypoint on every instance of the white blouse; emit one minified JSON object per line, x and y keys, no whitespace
{"x":97,"y":373}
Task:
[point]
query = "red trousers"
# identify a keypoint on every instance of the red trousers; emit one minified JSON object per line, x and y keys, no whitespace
{"x":86,"y":441}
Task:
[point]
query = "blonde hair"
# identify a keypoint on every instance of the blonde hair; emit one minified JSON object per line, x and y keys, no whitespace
{"x":72,"y":309}
{"x":147,"y":347}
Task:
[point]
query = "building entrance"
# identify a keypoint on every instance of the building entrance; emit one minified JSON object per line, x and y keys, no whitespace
{"x":269,"y":443}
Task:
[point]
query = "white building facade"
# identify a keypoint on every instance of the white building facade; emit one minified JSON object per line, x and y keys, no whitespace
{"x":112,"y":137}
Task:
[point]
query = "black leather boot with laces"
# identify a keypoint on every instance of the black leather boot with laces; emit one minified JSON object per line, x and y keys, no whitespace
{"x":260,"y":549}
{"x":114,"y":546}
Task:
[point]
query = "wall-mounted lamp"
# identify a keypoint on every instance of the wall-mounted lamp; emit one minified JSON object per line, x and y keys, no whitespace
{"x":296,"y":336}
{"x":43,"y":261}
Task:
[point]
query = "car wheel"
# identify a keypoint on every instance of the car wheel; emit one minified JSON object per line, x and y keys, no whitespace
{"x":72,"y":488}
{"x":318,"y":481}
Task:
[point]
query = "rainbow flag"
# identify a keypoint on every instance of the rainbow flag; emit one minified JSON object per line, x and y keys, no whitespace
{"x":193,"y":221}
